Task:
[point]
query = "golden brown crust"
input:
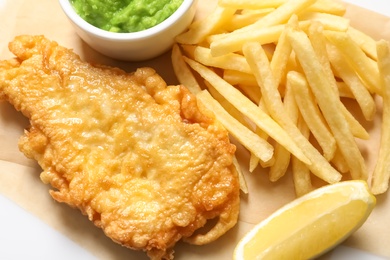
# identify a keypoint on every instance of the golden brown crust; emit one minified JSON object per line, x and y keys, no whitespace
{"x":138,"y":157}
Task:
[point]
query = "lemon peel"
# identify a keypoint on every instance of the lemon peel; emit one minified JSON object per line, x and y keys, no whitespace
{"x":310,"y":225}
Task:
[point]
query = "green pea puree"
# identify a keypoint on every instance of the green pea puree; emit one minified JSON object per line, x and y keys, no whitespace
{"x":124,"y":16}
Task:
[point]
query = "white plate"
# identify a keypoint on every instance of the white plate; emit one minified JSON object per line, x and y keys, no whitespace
{"x":24,"y":236}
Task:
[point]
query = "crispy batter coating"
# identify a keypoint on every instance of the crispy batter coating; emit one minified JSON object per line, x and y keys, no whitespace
{"x":141,"y":159}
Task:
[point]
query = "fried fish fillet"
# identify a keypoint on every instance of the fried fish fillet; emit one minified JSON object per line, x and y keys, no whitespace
{"x":141,"y":159}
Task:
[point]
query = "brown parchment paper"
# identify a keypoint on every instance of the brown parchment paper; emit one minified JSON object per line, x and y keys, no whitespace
{"x":19,"y":177}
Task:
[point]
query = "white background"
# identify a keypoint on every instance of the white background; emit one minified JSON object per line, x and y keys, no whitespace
{"x":379,"y":6}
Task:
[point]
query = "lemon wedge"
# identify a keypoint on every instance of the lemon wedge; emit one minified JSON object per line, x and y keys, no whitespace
{"x":310,"y":225}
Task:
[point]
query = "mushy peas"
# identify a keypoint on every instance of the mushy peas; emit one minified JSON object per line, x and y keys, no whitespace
{"x":125,"y":15}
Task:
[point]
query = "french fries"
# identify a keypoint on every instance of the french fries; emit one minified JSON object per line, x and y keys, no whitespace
{"x":300,"y":171}
{"x":328,"y":102}
{"x":230,"y":61}
{"x":259,"y":63}
{"x":184,"y":74}
{"x":199,"y":30}
{"x":277,"y":72}
{"x":249,"y":109}
{"x":381,"y":173}
{"x":311,"y":113}
{"x":353,"y":82}
{"x":259,"y":147}
{"x":363,"y":65}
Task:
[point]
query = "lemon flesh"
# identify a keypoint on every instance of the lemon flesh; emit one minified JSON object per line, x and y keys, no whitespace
{"x":309,"y":225}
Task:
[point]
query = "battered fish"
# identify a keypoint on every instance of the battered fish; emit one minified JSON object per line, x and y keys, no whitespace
{"x":141,"y":159}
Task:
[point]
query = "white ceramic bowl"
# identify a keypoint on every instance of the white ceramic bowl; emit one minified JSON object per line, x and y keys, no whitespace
{"x":135,"y":46}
